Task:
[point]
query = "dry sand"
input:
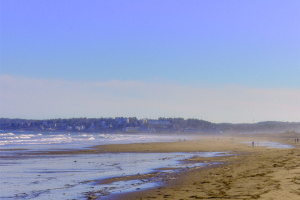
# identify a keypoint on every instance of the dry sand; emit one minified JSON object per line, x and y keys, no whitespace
{"x":253,"y":173}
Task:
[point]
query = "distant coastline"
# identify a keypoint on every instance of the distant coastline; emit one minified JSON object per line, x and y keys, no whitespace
{"x":134,"y":125}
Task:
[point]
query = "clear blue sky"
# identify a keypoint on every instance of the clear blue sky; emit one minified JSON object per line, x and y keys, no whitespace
{"x":250,"y":43}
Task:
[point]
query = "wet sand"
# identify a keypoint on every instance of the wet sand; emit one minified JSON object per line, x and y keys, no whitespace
{"x":250,"y":173}
{"x":253,"y":173}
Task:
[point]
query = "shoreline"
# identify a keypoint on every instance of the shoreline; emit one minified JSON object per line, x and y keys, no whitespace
{"x":251,"y":173}
{"x":243,"y":172}
{"x":256,"y":173}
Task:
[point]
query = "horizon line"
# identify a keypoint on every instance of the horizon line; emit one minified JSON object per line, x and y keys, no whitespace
{"x":166,"y":118}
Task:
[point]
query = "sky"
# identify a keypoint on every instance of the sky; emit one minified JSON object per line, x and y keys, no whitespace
{"x":221,"y":61}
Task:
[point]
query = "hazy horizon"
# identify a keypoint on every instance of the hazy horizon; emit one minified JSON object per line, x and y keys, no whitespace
{"x":114,"y":117}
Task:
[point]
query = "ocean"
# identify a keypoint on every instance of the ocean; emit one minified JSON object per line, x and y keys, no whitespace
{"x":72,"y":140}
{"x":25,"y":175}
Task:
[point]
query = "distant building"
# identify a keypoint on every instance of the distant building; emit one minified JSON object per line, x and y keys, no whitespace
{"x":143,"y":121}
{"x":131,"y":129}
{"x":92,"y":127}
{"x":121,"y":120}
{"x":159,"y":122}
{"x":103,"y":124}
{"x":78,"y":128}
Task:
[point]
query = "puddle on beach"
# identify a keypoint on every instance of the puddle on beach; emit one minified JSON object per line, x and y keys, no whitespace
{"x":70,"y":177}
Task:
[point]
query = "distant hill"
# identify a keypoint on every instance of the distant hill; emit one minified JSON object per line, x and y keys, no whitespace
{"x":260,"y":127}
{"x":165,"y":125}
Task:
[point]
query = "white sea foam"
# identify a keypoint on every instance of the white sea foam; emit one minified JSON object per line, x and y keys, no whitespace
{"x":4,"y":142}
{"x":26,"y":136}
{"x":10,"y":138}
{"x":62,"y":170}
{"x":91,"y":138}
{"x":60,"y":135}
{"x":76,"y":140}
{"x":6,"y":134}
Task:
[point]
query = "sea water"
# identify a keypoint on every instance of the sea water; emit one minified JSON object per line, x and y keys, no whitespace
{"x":69,"y":177}
{"x":24,"y":175}
{"x":66,"y":140}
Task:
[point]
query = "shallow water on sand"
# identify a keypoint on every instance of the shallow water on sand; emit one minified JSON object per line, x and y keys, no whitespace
{"x":24,"y":175}
{"x":69,"y":177}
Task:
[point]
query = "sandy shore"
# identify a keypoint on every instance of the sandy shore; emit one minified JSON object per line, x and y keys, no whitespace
{"x":253,"y":173}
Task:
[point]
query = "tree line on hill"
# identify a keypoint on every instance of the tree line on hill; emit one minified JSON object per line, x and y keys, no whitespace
{"x":132,"y":124}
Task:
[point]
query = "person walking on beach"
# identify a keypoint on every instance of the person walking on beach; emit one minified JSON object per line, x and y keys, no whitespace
{"x":252,"y":144}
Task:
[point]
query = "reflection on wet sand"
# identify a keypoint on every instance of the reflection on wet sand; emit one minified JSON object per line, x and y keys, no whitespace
{"x":207,"y":167}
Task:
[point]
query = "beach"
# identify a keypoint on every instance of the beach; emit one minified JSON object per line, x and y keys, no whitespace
{"x":252,"y":173}
{"x":207,"y":167}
